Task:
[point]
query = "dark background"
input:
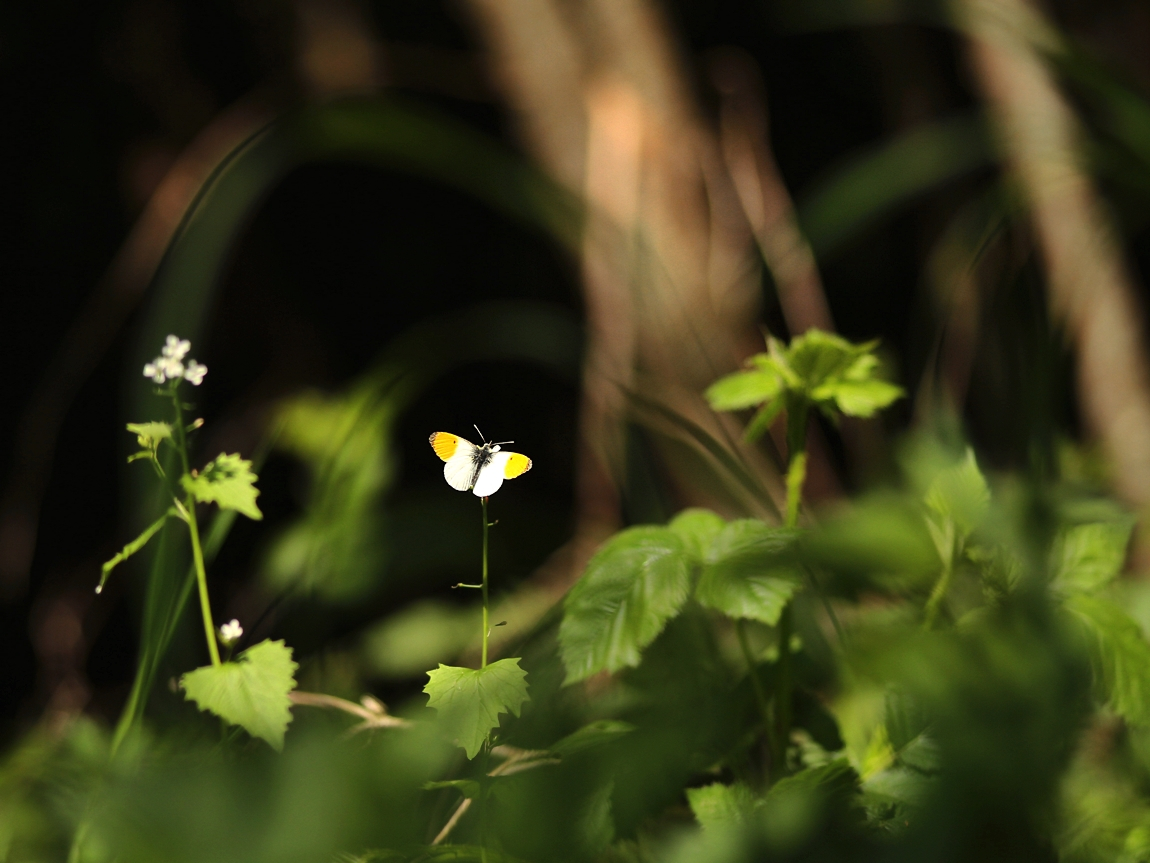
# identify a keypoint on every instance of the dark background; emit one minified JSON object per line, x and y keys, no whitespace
{"x":98,"y":99}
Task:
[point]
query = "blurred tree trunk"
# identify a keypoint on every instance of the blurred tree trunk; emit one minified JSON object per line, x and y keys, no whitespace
{"x":670,"y":278}
{"x":1091,"y":289}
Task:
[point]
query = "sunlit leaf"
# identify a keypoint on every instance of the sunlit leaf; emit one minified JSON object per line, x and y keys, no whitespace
{"x":818,"y":356}
{"x":469,"y":701}
{"x":149,"y":435}
{"x":697,"y":529}
{"x":251,"y":692}
{"x":633,"y":585}
{"x":721,"y":806}
{"x":1120,"y":655}
{"x":227,"y":481}
{"x":1087,"y":557}
{"x":750,"y":571}
{"x":861,"y":398}
{"x":744,"y":389}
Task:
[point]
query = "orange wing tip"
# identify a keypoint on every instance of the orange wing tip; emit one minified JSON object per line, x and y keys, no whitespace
{"x":517,"y":465}
{"x":444,"y":444}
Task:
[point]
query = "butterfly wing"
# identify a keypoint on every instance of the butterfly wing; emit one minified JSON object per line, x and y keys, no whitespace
{"x":460,"y":457}
{"x":503,"y":465}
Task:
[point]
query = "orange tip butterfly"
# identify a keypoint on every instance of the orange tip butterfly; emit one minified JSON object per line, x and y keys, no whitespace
{"x":478,"y":469}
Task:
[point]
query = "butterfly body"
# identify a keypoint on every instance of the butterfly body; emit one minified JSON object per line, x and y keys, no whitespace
{"x":478,"y":469}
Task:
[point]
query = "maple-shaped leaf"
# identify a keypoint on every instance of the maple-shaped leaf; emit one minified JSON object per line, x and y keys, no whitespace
{"x":227,"y":481}
{"x":469,"y":701}
{"x":251,"y":692}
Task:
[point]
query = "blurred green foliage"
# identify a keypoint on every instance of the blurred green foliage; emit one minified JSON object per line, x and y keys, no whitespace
{"x":971,"y":676}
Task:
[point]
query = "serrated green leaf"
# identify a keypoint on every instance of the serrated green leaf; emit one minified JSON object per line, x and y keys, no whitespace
{"x":251,"y":692}
{"x":750,"y":571}
{"x":721,"y":807}
{"x":697,"y":529}
{"x":1119,"y":653}
{"x":744,"y":389}
{"x":590,"y":735}
{"x":469,"y":701}
{"x":228,"y":482}
{"x":836,"y":779}
{"x":960,"y":493}
{"x":1087,"y":557}
{"x":633,"y":585}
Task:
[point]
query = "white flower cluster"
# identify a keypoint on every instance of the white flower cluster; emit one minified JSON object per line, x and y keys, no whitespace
{"x":230,"y":632}
{"x":169,"y":365}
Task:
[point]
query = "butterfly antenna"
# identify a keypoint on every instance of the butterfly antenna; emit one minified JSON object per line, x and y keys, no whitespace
{"x":503,"y":442}
{"x":481,"y":437}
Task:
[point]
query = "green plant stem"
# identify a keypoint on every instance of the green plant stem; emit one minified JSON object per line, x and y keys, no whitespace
{"x":202,"y":581}
{"x":483,"y":663}
{"x":753,"y":673}
{"x":797,"y":410}
{"x":194,"y":532}
{"x":937,"y":595}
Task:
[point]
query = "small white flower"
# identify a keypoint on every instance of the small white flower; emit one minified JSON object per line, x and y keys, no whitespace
{"x":176,"y":348}
{"x":155,"y":372}
{"x":195,"y":372}
{"x":169,"y":366}
{"x":173,"y":368}
{"x":230,"y":632}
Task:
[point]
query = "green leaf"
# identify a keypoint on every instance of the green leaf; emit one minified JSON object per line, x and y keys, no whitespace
{"x":818,"y":356}
{"x":593,"y":734}
{"x":750,"y":571}
{"x":149,"y":435}
{"x":960,"y":493}
{"x":228,"y":482}
{"x":744,"y":389}
{"x":133,"y":546}
{"x":697,"y":529}
{"x":633,"y":585}
{"x":860,"y":398}
{"x":836,"y":779}
{"x":1119,"y":654}
{"x":1087,"y":557}
{"x":469,"y":788}
{"x":721,"y":806}
{"x":469,"y":701}
{"x":251,"y":692}
{"x":881,"y":539}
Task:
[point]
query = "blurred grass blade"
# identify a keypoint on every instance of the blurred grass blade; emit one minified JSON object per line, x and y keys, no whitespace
{"x":877,"y":182}
{"x":706,"y":443}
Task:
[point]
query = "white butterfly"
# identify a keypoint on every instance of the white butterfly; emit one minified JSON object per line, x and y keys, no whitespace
{"x":478,"y":469}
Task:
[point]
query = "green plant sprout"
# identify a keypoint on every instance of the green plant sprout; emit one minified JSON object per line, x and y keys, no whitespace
{"x":746,"y":570}
{"x":252,"y":691}
{"x":468,"y":701}
{"x":817,"y":370}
